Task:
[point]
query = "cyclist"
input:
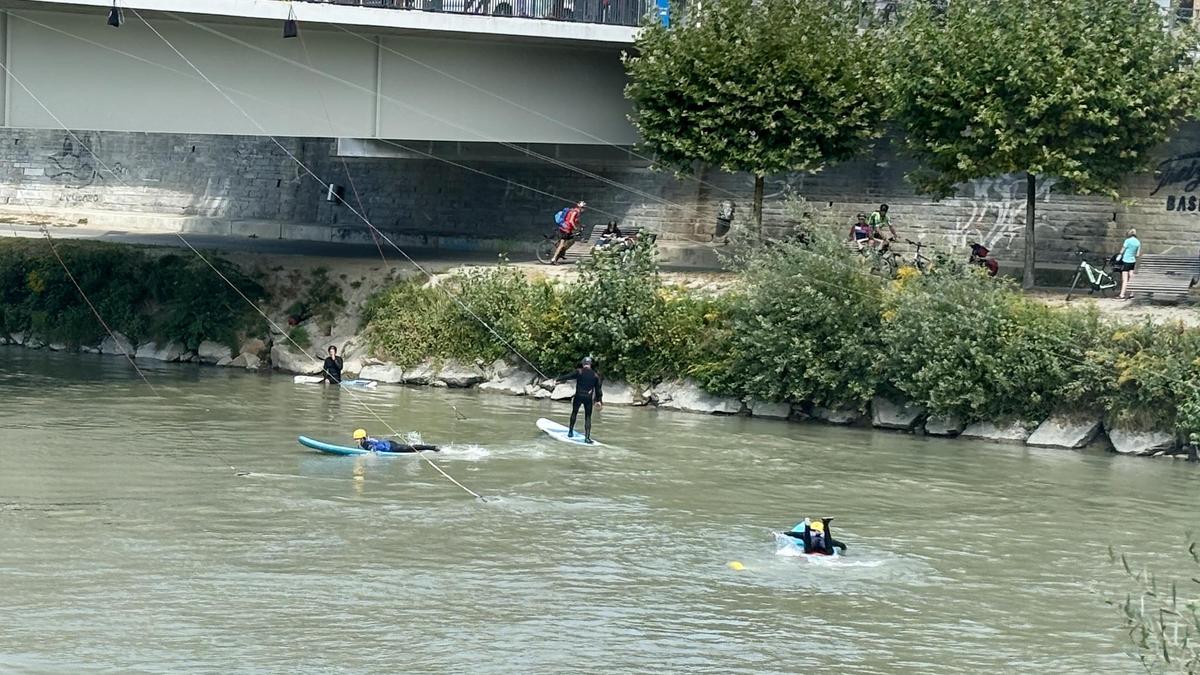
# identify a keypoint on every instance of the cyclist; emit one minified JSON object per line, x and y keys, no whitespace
{"x":566,"y":231}
{"x":878,"y":220}
{"x":860,"y":232}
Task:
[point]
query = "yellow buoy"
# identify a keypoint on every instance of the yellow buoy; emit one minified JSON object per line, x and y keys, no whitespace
{"x":736,"y":566}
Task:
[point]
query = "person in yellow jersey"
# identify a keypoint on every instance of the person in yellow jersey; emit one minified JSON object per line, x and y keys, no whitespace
{"x":362,"y":440}
{"x":816,"y":536}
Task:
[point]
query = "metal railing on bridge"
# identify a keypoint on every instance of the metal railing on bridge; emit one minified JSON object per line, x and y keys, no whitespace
{"x":614,"y":12}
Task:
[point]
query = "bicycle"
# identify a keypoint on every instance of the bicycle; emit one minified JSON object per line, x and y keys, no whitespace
{"x":922,"y":263}
{"x":545,"y":249}
{"x":1098,"y":279}
{"x":882,"y":261}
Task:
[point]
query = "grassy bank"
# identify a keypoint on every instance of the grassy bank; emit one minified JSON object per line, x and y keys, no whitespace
{"x":807,"y":324}
{"x":146,"y":294}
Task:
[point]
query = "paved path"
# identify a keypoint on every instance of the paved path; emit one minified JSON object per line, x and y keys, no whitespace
{"x":319,"y":249}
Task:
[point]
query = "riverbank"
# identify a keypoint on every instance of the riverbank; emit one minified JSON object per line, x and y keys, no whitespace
{"x":792,"y":335}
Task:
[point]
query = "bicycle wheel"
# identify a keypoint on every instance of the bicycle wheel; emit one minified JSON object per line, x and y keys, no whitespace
{"x":545,"y":250}
{"x":1105,"y":283}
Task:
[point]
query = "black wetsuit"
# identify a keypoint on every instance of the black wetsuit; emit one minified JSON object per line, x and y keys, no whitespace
{"x":388,"y":445}
{"x":824,"y":544}
{"x":587,"y":391}
{"x":332,"y":370}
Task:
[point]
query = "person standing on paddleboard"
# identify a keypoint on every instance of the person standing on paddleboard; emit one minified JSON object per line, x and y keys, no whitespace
{"x":331,"y":370}
{"x":588,"y":390}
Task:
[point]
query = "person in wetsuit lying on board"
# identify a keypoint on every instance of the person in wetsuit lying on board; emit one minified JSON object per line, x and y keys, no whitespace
{"x":588,"y":390}
{"x":817,"y":537}
{"x":387,"y":445}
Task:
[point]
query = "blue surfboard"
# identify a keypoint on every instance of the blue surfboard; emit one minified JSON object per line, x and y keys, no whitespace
{"x":559,"y":433}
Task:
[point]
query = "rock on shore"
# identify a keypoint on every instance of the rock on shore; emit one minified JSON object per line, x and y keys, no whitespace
{"x":686,"y":395}
{"x":1065,"y":431}
{"x":1014,"y":431}
{"x":1136,"y":442}
{"x":887,"y":414}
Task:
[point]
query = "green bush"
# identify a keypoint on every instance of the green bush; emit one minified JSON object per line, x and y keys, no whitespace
{"x":959,"y":343}
{"x":143,"y":295}
{"x":1154,"y":376}
{"x":805,"y":328}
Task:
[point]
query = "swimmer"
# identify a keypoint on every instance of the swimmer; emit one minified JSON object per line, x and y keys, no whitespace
{"x":817,"y":537}
{"x":387,"y":445}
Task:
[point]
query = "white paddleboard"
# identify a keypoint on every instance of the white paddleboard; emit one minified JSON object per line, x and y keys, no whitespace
{"x":559,"y":433}
{"x":317,"y":379}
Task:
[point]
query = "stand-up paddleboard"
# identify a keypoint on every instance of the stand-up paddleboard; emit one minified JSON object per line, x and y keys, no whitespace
{"x":331,"y":449}
{"x":317,"y":379}
{"x":559,"y":433}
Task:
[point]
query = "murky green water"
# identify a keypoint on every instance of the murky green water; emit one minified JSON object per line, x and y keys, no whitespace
{"x":129,"y":545}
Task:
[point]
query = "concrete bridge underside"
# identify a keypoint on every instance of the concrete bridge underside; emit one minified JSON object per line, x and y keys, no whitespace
{"x":66,"y":67}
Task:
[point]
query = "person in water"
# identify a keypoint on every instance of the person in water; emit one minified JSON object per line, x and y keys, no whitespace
{"x":331,"y":370}
{"x":588,"y":391}
{"x":817,"y":537}
{"x":388,"y":445}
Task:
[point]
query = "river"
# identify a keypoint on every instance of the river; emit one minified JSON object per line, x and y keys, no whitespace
{"x":189,"y":531}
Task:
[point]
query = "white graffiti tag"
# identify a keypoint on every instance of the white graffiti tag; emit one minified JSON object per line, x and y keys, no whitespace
{"x":993,"y":210}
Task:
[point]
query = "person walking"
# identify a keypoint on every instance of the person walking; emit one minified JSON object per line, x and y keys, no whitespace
{"x":1129,"y":253}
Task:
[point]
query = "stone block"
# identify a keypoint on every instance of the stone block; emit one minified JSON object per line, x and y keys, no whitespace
{"x":284,"y":358}
{"x":388,"y":373}
{"x":777,"y":411}
{"x":515,"y":383}
{"x":422,"y":373}
{"x":153,"y":351}
{"x":1013,"y":431}
{"x":687,"y":396}
{"x":887,"y":414}
{"x":617,"y":392}
{"x":1065,"y":431}
{"x":457,"y":374}
{"x":536,"y":391}
{"x":563,"y":392}
{"x":1138,"y":442}
{"x":212,"y":352}
{"x":840,"y":416}
{"x":944,"y":425}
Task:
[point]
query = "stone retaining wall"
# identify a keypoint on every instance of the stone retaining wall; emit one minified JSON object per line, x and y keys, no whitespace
{"x":239,"y":178}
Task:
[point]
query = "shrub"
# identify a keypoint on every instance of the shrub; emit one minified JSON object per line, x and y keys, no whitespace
{"x":805,"y":327}
{"x":959,"y":343}
{"x":165,"y":297}
{"x":1154,"y":377}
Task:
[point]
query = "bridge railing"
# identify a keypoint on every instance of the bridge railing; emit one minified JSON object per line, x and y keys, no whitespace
{"x":615,"y":12}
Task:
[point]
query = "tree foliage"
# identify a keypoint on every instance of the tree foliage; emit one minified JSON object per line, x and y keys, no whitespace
{"x":762,"y":86}
{"x":1081,"y":90}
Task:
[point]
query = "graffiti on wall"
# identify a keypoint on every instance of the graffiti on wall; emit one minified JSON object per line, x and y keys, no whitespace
{"x":994,"y":210}
{"x":1178,"y":178}
{"x":74,"y":165}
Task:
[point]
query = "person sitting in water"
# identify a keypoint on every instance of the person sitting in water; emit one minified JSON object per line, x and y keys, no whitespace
{"x":331,"y":370}
{"x":817,"y":537}
{"x":388,"y":445}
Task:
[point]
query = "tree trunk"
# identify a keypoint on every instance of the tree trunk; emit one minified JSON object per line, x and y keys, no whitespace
{"x":1030,"y":212}
{"x":758,"y":203}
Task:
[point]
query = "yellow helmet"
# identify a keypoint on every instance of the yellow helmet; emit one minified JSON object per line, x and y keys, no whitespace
{"x":360,"y":434}
{"x":817,"y":526}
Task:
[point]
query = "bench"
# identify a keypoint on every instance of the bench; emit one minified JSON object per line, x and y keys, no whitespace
{"x":1165,"y":278}
{"x":584,"y":244}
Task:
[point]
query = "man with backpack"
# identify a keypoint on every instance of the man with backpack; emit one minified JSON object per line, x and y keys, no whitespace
{"x":568,"y":225}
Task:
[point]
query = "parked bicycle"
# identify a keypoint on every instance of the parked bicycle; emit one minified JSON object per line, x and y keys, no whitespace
{"x":922,"y":263}
{"x":1098,"y":280}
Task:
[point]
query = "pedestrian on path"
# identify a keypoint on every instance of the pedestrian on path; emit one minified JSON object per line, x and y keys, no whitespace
{"x":1129,"y":253}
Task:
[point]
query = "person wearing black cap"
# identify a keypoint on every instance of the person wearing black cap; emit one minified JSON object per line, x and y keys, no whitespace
{"x":588,"y":390}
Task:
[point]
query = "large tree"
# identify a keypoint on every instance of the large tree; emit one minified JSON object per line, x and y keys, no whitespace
{"x":1080,"y":90}
{"x":761,"y":86}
